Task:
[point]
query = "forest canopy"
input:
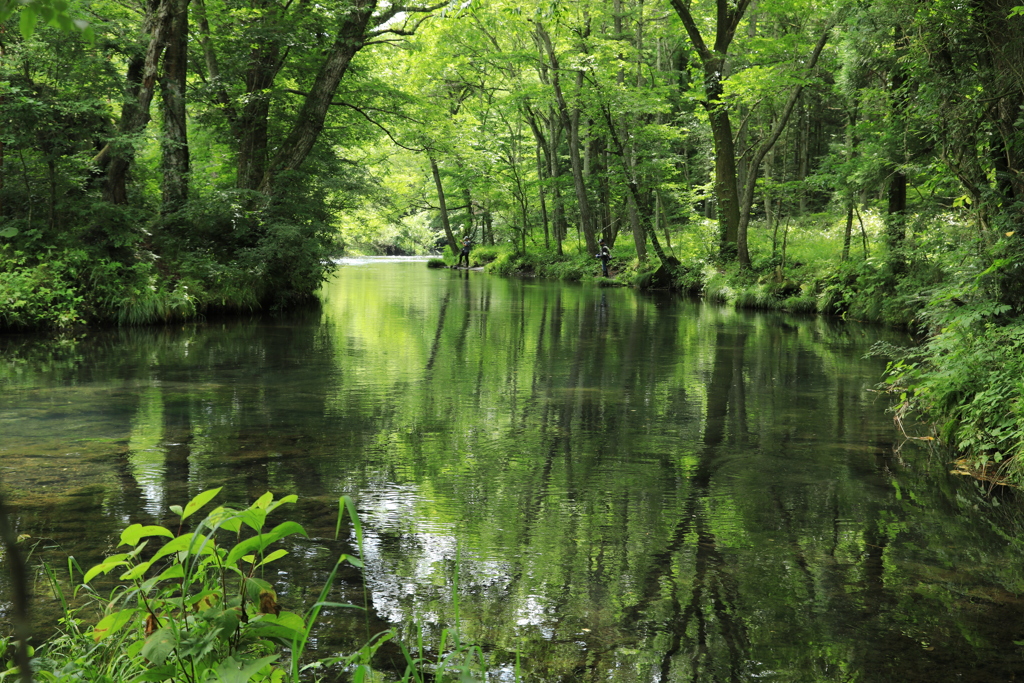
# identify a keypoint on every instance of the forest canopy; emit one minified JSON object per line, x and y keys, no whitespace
{"x":227,"y":148}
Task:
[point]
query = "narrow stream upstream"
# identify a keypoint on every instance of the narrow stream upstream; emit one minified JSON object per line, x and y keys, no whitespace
{"x":609,"y":486}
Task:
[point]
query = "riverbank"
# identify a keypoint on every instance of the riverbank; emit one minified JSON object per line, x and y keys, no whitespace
{"x":66,"y":290}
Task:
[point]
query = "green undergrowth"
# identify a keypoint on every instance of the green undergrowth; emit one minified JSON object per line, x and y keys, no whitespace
{"x":195,"y":602}
{"x":964,"y":385}
{"x":74,"y":288}
{"x":119,"y":265}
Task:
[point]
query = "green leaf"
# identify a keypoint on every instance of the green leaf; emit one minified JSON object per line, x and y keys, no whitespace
{"x":199,"y":501}
{"x":8,"y":232}
{"x":157,"y":674}
{"x":254,"y":517}
{"x":176,"y":509}
{"x":287,"y":499}
{"x":175,"y":571}
{"x":112,"y":623}
{"x":234,"y":671}
{"x":27,"y":22}
{"x":276,"y":555}
{"x":104,"y":567}
{"x":258,"y":543}
{"x":225,"y":518}
{"x":286,"y":625}
{"x":136,"y":572}
{"x":263,"y":501}
{"x":253,"y":587}
{"x":185,"y":542}
{"x":159,"y":644}
{"x":136,"y":532}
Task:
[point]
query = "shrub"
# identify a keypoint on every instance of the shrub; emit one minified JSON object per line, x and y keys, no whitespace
{"x":484,"y":254}
{"x":194,"y":606}
{"x":38,"y":295}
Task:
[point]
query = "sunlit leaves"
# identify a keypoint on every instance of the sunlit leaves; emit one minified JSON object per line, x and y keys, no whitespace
{"x":48,"y":12}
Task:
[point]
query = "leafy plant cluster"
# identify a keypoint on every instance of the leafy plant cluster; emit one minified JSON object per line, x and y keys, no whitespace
{"x":195,"y":605}
{"x":967,"y":378}
{"x":191,"y":605}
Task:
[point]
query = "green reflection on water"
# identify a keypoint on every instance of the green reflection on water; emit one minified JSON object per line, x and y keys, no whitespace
{"x":628,"y":488}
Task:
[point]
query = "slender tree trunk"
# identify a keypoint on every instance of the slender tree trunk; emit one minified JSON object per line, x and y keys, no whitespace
{"x":444,"y":207}
{"x":726,"y":195}
{"x":728,"y":16}
{"x":210,"y":56}
{"x":803,"y":154}
{"x":571,"y":122}
{"x":541,"y":197}
{"x":767,"y":144}
{"x":119,"y":155}
{"x":51,"y":171}
{"x":310,"y":121}
{"x":559,"y":222}
{"x":851,"y":195}
{"x":172,"y":87}
{"x":3,"y":170}
{"x":897,"y":191}
{"x":544,"y":173}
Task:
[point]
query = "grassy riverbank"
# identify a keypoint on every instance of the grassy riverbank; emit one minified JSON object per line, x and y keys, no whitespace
{"x":64,"y":289}
{"x":959,"y":297}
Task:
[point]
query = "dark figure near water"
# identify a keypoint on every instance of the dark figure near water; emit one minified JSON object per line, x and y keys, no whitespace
{"x":464,"y":254}
{"x":604,"y":253}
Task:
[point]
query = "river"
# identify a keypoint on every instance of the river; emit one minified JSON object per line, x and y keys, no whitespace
{"x":599,"y":484}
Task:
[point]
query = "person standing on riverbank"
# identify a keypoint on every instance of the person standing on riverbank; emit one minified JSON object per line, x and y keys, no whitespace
{"x":605,"y":254}
{"x":466,"y":245}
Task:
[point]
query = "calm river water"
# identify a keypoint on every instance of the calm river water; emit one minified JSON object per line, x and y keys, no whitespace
{"x":608,"y":486}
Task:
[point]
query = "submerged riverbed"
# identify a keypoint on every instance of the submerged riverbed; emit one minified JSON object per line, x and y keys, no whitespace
{"x":606,"y":485}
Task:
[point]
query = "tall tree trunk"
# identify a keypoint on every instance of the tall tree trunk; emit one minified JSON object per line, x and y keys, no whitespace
{"x":175,"y":160}
{"x":767,"y":144}
{"x":897,"y":191}
{"x":851,"y":195}
{"x":251,"y":125}
{"x":444,"y":207}
{"x":558,"y":220}
{"x":728,"y":16}
{"x":540,"y":196}
{"x":119,"y":154}
{"x":803,"y":153}
{"x":543,"y":154}
{"x":571,"y":122}
{"x":310,"y":122}
{"x":3,"y":171}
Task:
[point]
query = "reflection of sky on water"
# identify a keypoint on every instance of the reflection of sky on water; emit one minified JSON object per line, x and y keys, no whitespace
{"x":409,"y":561}
{"x":146,"y":455}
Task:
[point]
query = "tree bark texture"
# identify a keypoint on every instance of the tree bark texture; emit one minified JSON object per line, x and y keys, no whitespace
{"x":175,"y":160}
{"x":119,"y":155}
{"x":767,"y":144}
{"x":444,"y":206}
{"x":727,"y":19}
{"x":571,"y":122}
{"x":310,"y":122}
